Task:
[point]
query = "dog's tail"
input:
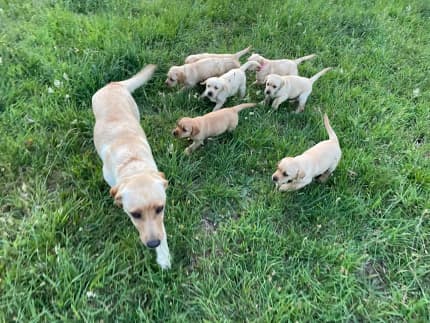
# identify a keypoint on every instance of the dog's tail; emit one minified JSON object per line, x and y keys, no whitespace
{"x":139,"y":79}
{"x":304,"y":58}
{"x":247,"y":65}
{"x":319,"y":74}
{"x":242,"y":52}
{"x":242,"y":106}
{"x":330,"y":131}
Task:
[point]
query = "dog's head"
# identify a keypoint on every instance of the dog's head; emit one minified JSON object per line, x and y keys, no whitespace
{"x":273,"y":83}
{"x":175,"y":76}
{"x":288,"y":170}
{"x":256,"y":57}
{"x":143,"y":198}
{"x":214,"y":86}
{"x":185,"y":127}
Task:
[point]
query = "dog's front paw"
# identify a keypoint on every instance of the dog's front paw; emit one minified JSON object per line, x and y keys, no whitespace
{"x":284,"y":188}
{"x":164,"y":262}
{"x":188,"y":151}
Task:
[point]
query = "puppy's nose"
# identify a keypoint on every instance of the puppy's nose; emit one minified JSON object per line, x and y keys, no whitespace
{"x":274,"y":178}
{"x":267,"y":92}
{"x":175,"y":133}
{"x":209,"y":93}
{"x":153,"y":243}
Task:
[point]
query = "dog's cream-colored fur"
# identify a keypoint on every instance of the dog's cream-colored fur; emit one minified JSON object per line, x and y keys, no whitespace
{"x":196,"y":57}
{"x":290,"y":87}
{"x":218,"y":89}
{"x":209,"y":125}
{"x":317,"y":162}
{"x":128,"y":165}
{"x":189,"y":75}
{"x":276,"y":66}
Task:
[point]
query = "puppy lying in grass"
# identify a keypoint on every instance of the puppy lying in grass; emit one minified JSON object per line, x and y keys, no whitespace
{"x":210,"y":125}
{"x":317,"y":162}
{"x":277,"y":66}
{"x":189,"y":75}
{"x":218,"y":89}
{"x":290,"y":87}
{"x":128,"y":166}
{"x":196,"y":57}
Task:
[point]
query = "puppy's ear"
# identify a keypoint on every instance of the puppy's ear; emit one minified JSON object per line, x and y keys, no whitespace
{"x":195,"y":130}
{"x":116,"y":195}
{"x":163,"y":179}
{"x":300,"y":174}
{"x":181,"y":76}
{"x":203,"y":83}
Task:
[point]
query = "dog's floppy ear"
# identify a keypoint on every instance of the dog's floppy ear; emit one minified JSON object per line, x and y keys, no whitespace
{"x":300,"y":174}
{"x":203,"y":83}
{"x":164,"y":180}
{"x":116,"y":195}
{"x":181,"y":76}
{"x":195,"y":130}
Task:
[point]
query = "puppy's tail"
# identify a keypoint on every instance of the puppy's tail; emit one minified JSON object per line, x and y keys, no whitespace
{"x":304,"y":58}
{"x":242,"y":106}
{"x":242,"y":52}
{"x":319,"y":74}
{"x":247,"y":65}
{"x":139,"y":79}
{"x":330,"y":131}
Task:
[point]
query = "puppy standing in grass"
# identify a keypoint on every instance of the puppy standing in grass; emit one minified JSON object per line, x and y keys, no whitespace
{"x":210,"y":125}
{"x":196,"y":57}
{"x":128,"y":166}
{"x":317,"y":162}
{"x":190,"y":74}
{"x":276,"y":66}
{"x":218,"y":89}
{"x":290,"y":87}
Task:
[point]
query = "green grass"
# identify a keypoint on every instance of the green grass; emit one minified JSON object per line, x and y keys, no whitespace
{"x":354,"y":249}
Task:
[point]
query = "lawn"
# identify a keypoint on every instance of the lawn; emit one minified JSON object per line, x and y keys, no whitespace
{"x":353,"y":249}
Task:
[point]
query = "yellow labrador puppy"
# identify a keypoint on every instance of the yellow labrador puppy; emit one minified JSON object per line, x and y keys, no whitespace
{"x":218,"y":89}
{"x":277,"y":66}
{"x":194,"y":58}
{"x":189,"y":75}
{"x":317,"y":162}
{"x":209,"y":125}
{"x":290,"y":87}
{"x":128,"y":166}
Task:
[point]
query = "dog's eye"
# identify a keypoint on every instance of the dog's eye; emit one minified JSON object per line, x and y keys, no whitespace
{"x":159,"y":209}
{"x":285,"y":174}
{"x":274,"y":86}
{"x":171,"y":79}
{"x":216,"y":87}
{"x":184,"y":129}
{"x":136,"y":215}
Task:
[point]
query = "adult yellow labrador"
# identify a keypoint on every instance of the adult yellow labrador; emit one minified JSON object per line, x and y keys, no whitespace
{"x":128,"y":166}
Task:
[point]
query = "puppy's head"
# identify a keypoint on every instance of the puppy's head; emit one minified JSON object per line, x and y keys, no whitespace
{"x":273,"y":84}
{"x":256,"y":57}
{"x":143,"y":198}
{"x":185,"y":127}
{"x":214,"y":86}
{"x":174,"y":76}
{"x":288,"y":170}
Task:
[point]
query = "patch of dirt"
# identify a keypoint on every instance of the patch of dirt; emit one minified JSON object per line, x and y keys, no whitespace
{"x":375,"y":273}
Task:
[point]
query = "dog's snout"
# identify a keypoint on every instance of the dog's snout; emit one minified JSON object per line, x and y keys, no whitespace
{"x":274,"y":178}
{"x":268,"y":92}
{"x":153,"y":243}
{"x":209,"y":93}
{"x":175,"y":132}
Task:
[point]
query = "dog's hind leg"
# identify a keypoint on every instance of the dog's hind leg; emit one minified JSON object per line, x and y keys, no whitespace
{"x":302,"y":101}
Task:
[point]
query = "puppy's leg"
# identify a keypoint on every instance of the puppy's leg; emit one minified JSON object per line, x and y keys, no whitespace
{"x":196,"y":144}
{"x":302,"y":101}
{"x":219,"y":105}
{"x":242,"y":90}
{"x":163,"y":254}
{"x":277,"y":102}
{"x":295,"y":185}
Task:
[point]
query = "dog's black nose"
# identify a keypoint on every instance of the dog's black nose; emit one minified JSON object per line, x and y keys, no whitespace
{"x":175,"y":133}
{"x":209,"y":93}
{"x":267,"y":92}
{"x":153,"y":243}
{"x":275,"y":178}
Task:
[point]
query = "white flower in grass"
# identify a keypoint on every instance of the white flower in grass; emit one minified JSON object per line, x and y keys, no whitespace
{"x":65,"y":76}
{"x":91,"y":294}
{"x":1,"y":60}
{"x":416,"y":92}
{"x":67,"y":96}
{"x":50,"y":90}
{"x":57,"y":83}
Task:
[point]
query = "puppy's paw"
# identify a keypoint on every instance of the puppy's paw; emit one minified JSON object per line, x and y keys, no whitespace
{"x":164,"y":262}
{"x":188,"y":151}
